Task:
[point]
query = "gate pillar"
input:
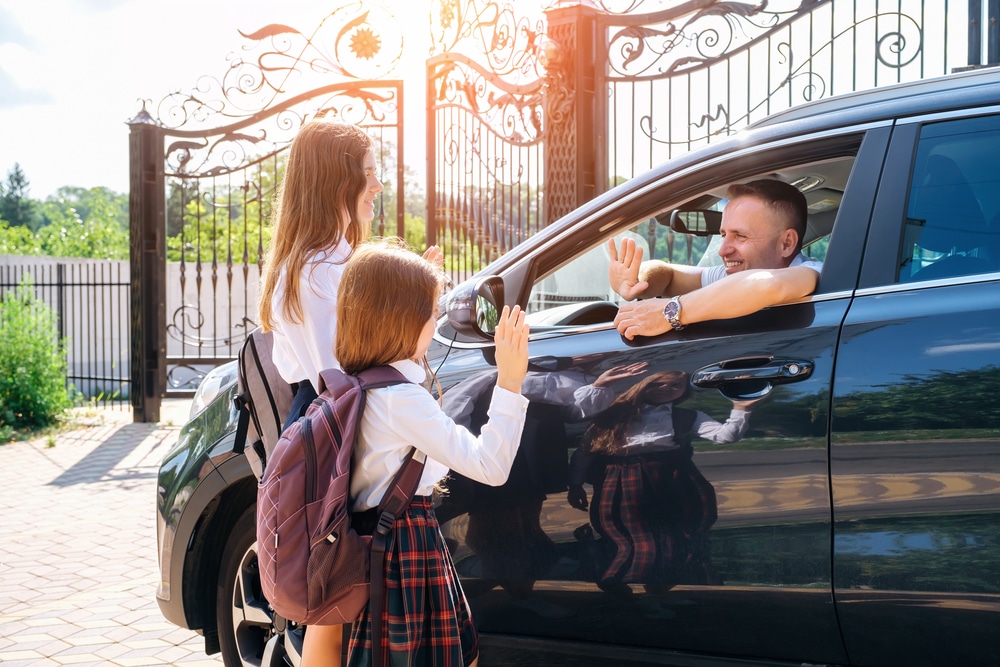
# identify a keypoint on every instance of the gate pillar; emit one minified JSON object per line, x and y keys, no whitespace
{"x":575,"y":127}
{"x":147,"y":263}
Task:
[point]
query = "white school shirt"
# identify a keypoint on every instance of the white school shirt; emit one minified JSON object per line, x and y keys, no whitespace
{"x":652,"y":430}
{"x":712,"y":274}
{"x":406,"y":415}
{"x":303,"y":349}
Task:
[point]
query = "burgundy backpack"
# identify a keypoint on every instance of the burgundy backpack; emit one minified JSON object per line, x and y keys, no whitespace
{"x":315,"y":568}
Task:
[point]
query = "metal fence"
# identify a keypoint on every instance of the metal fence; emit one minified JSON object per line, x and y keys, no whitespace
{"x":531,"y":115}
{"x":677,"y":79}
{"x":90,"y":299}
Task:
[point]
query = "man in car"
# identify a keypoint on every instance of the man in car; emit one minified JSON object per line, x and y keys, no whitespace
{"x":762,"y":229}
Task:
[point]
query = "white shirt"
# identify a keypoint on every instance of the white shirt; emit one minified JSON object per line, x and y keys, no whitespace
{"x":406,"y":415}
{"x":715,"y":273}
{"x":652,"y":430}
{"x":303,"y":349}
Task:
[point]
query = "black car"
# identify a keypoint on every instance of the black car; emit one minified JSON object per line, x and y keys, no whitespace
{"x":857,"y":519}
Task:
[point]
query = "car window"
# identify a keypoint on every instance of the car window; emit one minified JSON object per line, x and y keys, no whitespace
{"x":953,"y":212}
{"x":578,"y":293}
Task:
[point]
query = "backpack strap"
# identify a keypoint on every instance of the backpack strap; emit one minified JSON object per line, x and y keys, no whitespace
{"x":395,"y":501}
{"x":242,"y":425}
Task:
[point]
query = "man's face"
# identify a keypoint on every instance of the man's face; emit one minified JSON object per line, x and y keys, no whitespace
{"x":754,"y":237}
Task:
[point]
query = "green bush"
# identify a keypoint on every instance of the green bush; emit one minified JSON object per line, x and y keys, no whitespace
{"x":33,"y":389}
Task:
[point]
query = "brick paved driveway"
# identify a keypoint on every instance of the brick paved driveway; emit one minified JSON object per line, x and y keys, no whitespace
{"x":78,"y":568}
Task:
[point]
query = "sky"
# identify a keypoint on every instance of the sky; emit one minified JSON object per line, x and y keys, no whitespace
{"x":74,"y":72}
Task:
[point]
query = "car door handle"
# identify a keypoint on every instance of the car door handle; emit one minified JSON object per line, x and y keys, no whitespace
{"x":773,"y":371}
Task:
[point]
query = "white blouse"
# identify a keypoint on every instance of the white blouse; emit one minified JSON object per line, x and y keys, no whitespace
{"x":303,"y":349}
{"x":406,"y":415}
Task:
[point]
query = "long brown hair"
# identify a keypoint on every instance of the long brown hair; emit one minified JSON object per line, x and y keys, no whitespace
{"x":386,"y":295}
{"x":606,"y":434}
{"x":324,"y":178}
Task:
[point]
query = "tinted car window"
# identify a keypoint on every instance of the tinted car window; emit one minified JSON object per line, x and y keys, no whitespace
{"x":953,"y":212}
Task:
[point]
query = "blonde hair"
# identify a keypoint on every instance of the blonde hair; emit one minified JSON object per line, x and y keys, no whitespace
{"x":386,"y":296}
{"x":324,"y":178}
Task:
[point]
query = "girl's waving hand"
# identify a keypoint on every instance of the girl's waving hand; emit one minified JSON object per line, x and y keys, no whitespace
{"x":511,"y":338}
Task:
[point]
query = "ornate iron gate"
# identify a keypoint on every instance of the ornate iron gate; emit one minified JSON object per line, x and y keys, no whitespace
{"x":551,"y":110}
{"x":204,"y":171}
{"x":678,"y":78}
{"x":484,"y":131}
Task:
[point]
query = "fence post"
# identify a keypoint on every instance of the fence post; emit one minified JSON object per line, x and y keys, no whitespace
{"x":575,"y":127}
{"x":993,"y":33}
{"x":975,"y":32}
{"x":147,"y":255}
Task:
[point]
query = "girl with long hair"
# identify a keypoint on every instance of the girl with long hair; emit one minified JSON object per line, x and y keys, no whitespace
{"x":323,"y":210}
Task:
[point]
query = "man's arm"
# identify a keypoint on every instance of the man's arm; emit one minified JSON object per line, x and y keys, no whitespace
{"x":734,"y":296}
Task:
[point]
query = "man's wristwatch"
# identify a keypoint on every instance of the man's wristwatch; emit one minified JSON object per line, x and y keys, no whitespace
{"x":672,"y":313}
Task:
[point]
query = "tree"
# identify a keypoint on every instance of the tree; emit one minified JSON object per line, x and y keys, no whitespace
{"x":17,"y":240}
{"x":98,"y":203}
{"x":15,"y":205}
{"x":69,"y":235}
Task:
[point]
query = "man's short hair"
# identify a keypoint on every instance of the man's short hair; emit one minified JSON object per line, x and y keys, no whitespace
{"x":784,"y":199}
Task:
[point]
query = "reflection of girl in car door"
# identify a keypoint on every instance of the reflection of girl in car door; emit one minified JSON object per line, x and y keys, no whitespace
{"x":651,"y":505}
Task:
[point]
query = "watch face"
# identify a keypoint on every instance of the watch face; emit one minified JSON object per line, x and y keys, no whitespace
{"x":671,"y":312}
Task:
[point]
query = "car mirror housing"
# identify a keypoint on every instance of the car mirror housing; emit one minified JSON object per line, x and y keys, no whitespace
{"x":696,"y":222}
{"x":474,"y":306}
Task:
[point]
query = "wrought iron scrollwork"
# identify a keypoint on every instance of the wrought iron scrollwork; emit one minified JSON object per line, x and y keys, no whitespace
{"x":219,"y":125}
{"x":503,"y":91}
{"x":713,"y":35}
{"x":188,"y":322}
{"x":511,"y":41}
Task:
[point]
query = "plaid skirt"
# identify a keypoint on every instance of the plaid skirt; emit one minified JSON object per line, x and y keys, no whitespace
{"x":653,"y":511}
{"x":426,"y":617}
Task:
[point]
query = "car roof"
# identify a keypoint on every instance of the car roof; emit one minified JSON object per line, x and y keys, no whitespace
{"x":974,"y":87}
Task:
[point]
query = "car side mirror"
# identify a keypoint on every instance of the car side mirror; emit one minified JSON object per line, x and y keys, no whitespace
{"x":474,"y":306}
{"x":696,"y":222}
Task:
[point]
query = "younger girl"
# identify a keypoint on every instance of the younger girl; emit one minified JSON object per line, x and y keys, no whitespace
{"x":387,"y":314}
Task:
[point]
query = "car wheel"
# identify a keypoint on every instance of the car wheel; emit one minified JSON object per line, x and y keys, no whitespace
{"x":246,"y":623}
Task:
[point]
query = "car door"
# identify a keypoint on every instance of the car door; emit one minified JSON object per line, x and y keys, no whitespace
{"x":915,"y":458}
{"x":729,"y":553}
